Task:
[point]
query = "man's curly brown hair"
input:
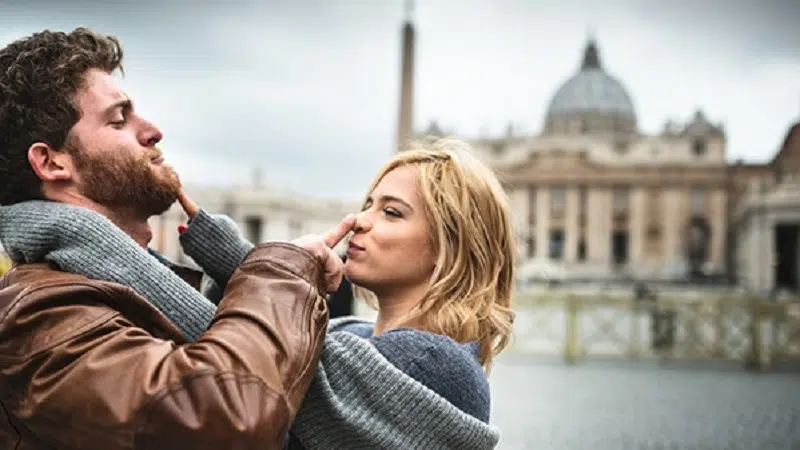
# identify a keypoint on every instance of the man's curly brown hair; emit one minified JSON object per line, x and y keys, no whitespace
{"x":39,"y":77}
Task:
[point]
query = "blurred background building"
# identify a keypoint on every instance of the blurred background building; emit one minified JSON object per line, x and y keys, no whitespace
{"x":263,"y":213}
{"x":596,"y":199}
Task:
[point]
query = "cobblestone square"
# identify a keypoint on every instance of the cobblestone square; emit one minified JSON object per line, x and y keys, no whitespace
{"x":543,"y":404}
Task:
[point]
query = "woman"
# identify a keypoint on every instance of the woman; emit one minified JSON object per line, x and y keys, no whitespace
{"x":433,"y":250}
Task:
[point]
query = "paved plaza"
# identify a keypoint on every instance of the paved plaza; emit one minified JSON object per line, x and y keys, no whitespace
{"x":543,"y":404}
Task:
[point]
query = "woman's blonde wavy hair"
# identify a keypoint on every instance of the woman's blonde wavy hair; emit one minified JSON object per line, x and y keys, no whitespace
{"x":472,"y":237}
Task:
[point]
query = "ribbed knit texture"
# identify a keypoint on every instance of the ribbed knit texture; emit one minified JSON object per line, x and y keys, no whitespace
{"x":216,"y":241}
{"x":358,"y":399}
{"x":82,"y":241}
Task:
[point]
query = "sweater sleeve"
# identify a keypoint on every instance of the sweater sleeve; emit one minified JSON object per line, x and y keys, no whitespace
{"x":214,"y":242}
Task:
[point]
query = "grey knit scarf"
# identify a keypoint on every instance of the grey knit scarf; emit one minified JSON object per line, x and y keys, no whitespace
{"x":358,"y":399}
{"x":81,"y":241}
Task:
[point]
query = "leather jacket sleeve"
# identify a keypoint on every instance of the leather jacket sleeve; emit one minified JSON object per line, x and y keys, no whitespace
{"x":86,"y":376}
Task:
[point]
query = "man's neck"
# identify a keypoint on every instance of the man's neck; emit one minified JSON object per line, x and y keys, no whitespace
{"x":135,"y":227}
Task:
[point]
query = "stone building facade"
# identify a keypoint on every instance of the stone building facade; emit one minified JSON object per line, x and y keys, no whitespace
{"x":262,"y":213}
{"x":767,"y":224}
{"x":595,"y":198}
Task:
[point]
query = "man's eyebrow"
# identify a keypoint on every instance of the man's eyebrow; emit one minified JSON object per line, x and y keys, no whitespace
{"x":125,"y":104}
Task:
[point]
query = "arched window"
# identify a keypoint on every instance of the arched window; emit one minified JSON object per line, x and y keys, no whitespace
{"x":699,"y":147}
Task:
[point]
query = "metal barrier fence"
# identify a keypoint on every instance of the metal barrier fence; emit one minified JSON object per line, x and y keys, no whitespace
{"x":758,"y":333}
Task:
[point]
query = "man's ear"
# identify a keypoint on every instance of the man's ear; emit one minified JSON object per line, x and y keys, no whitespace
{"x":50,"y":164}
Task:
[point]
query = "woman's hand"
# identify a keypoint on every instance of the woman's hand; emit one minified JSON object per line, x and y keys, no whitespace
{"x":188,"y":205}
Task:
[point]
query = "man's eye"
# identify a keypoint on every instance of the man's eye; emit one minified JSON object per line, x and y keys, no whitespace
{"x":118,"y":123}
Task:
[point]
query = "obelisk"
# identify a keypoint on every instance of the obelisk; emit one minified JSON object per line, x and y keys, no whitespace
{"x":405,"y":120}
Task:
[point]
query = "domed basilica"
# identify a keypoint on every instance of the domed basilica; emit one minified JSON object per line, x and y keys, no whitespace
{"x":595,"y":198}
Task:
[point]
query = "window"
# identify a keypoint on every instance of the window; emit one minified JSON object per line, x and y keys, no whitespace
{"x":619,"y":247}
{"x":253,"y":226}
{"x":653,"y":232}
{"x":699,"y":147}
{"x":581,"y":249}
{"x":556,"y":244}
{"x":558,"y":198}
{"x":531,"y":246}
{"x":532,"y":205}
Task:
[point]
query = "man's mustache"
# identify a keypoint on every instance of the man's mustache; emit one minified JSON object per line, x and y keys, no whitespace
{"x":154,"y":152}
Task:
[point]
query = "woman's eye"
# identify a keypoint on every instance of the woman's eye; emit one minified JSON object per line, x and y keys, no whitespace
{"x":392,"y":212}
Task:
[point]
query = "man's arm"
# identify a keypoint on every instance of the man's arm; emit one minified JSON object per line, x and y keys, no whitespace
{"x":90,"y":378}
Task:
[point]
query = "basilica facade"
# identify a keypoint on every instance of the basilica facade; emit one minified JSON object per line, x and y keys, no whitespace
{"x":595,"y":198}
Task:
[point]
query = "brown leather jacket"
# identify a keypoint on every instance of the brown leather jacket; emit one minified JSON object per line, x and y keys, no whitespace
{"x":87,"y":364}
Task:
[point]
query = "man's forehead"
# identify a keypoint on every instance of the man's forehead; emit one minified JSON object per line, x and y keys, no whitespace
{"x":99,"y":91}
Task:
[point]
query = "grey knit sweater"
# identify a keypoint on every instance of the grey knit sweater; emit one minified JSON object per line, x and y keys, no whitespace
{"x":359,"y":398}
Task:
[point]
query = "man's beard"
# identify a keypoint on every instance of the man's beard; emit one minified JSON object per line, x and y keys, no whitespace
{"x":123,"y":182}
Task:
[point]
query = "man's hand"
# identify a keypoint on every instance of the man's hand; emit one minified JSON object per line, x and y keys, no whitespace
{"x":322,"y":248}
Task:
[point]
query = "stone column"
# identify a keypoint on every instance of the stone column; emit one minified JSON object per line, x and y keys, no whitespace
{"x":518,"y":201}
{"x":571,"y":229}
{"x":675,"y":222}
{"x":636,"y":228}
{"x":598,"y":225}
{"x":542,"y":222}
{"x":719,"y":225}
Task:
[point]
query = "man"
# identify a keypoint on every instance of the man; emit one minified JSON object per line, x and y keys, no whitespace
{"x":91,"y":364}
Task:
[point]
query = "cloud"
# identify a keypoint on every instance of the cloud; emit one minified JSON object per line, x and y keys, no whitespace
{"x":308,"y":90}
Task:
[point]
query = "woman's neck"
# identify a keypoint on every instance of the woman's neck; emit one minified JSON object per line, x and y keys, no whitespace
{"x":393,"y":307}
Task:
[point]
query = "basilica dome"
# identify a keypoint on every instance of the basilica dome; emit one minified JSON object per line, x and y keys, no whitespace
{"x":591,"y":101}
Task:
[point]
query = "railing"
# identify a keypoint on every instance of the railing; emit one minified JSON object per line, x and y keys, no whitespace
{"x":756,"y":332}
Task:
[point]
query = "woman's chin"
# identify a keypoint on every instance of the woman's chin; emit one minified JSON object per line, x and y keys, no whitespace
{"x":356,"y":278}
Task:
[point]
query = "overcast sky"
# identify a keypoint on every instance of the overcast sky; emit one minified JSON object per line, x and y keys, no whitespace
{"x":307,"y":90}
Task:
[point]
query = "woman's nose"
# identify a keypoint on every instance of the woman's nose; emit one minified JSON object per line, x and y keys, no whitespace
{"x":363,"y":221}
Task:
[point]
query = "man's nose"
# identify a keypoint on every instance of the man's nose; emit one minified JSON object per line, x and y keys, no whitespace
{"x":150,"y":134}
